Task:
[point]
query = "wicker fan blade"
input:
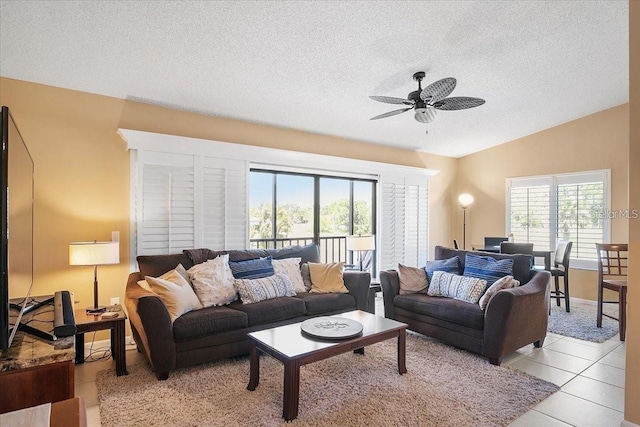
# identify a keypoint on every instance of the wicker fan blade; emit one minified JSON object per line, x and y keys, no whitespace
{"x":458,"y":103}
{"x":392,"y":100}
{"x":390,"y":113}
{"x":438,"y":90}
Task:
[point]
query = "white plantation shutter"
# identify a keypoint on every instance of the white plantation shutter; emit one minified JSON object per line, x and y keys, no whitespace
{"x":567,"y":207}
{"x":224,"y":204}
{"x":404,"y":225}
{"x":189,"y":201}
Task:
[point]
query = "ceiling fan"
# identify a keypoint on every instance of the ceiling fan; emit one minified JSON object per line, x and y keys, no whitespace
{"x":427,"y":101}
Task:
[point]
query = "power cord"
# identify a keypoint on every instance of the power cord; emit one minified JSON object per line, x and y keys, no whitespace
{"x":105,"y":352}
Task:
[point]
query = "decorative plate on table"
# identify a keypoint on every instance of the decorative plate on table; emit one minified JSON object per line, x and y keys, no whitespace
{"x":331,"y":327}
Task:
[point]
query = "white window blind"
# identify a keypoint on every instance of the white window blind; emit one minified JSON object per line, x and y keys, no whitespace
{"x":404,"y":225}
{"x":185,"y":201}
{"x":567,"y":207}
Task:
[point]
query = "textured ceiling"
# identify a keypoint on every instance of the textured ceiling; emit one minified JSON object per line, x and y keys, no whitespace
{"x":312,"y":65}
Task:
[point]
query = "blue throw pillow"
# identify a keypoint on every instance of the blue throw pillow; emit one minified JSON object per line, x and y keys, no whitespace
{"x":487,"y":268}
{"x":450,"y":265}
{"x":252,"y":268}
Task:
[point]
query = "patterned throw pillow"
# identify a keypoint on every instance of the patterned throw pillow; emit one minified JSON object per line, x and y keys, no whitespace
{"x":463,"y":288}
{"x":450,"y":265}
{"x":487,"y":268}
{"x":327,"y":278}
{"x":505,"y":282}
{"x":290,"y":267}
{"x":212,"y":281}
{"x":252,"y":268}
{"x":256,"y":290}
{"x":412,"y":280}
{"x":175,"y":292}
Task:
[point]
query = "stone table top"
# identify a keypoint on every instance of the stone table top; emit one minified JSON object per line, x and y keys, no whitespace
{"x":27,"y":351}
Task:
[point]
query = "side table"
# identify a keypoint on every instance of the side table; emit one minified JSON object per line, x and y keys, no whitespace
{"x":87,"y":322}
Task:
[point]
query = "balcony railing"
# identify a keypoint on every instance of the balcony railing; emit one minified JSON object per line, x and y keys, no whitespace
{"x":332,"y":249}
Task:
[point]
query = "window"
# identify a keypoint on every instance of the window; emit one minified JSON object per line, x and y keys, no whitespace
{"x":296,"y":209}
{"x":548,"y":209}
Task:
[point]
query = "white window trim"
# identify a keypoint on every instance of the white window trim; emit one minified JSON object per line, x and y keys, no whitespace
{"x":562,"y":178}
{"x":264,"y":157}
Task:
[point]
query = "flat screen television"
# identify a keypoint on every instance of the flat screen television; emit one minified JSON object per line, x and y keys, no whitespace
{"x":16,"y":251}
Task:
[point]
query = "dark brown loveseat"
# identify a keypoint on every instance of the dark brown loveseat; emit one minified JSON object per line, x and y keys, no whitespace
{"x":514,"y":317}
{"x":220,"y":332}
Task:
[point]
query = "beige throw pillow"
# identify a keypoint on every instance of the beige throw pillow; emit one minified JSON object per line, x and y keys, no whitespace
{"x":412,"y":280}
{"x":175,"y":291}
{"x":306,"y":276}
{"x":505,"y":282}
{"x":212,"y":281}
{"x":326,"y":278}
{"x":290,"y":267}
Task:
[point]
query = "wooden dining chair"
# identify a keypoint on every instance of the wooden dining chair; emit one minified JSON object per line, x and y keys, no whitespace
{"x":613,"y":262}
{"x":560,"y":268}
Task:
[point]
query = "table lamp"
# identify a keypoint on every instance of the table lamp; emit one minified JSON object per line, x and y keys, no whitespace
{"x":95,"y":254}
{"x":361,"y":244}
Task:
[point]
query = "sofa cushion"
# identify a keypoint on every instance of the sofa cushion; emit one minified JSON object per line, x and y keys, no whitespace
{"x":272,"y":310}
{"x":308,"y":253}
{"x":208,"y":321}
{"x":252,"y":268}
{"x":451,"y":265}
{"x":255,"y":290}
{"x":521,"y":263}
{"x":487,"y":268}
{"x":327,"y":278}
{"x":447,"y":309}
{"x":175,"y":291}
{"x":157,"y":265}
{"x":464,"y":288}
{"x":325,"y":303}
{"x":412,"y":279}
{"x":212,"y":281}
{"x":290,"y":267}
{"x":306,"y":276}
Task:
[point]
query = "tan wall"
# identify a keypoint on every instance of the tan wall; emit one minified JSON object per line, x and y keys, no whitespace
{"x":598,"y":141}
{"x":632,"y":389}
{"x":82,"y":172}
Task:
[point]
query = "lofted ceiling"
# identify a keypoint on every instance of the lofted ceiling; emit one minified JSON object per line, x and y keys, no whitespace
{"x":311,"y":65}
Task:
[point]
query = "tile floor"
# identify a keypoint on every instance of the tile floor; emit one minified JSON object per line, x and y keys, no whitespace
{"x":591,"y":377}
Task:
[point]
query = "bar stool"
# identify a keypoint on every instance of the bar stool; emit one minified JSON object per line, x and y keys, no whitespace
{"x":613,"y":262}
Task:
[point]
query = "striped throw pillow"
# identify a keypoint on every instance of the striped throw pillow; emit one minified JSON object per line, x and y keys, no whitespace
{"x":256,"y":290}
{"x":463,"y":288}
{"x":252,"y":268}
{"x":487,"y":268}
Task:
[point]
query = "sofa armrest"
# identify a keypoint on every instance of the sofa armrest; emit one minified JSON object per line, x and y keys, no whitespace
{"x":390,"y":284}
{"x":358,"y":282}
{"x":516,"y":317}
{"x":149,"y":317}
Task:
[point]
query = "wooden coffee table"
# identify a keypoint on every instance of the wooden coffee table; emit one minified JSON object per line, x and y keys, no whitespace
{"x":292,"y":348}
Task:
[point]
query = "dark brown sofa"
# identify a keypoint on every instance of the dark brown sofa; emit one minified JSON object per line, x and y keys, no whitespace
{"x":220,"y":332}
{"x":514,"y":317}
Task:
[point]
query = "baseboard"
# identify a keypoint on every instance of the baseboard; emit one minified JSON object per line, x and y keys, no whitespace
{"x":626,"y":423}
{"x":583,"y":301}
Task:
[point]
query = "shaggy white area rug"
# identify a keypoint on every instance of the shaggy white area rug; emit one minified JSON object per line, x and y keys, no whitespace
{"x":443,"y":387}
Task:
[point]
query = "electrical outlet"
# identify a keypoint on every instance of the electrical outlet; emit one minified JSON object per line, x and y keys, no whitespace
{"x":115,"y":300}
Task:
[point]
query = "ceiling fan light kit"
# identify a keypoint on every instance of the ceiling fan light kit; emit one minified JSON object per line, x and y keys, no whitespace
{"x":427,"y":101}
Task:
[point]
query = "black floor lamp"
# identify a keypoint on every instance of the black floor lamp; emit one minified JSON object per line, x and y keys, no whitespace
{"x":465,"y":200}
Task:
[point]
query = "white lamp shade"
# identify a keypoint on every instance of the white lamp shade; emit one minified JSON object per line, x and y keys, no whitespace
{"x":361,"y":243}
{"x":94,"y":253}
{"x":465,"y":199}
